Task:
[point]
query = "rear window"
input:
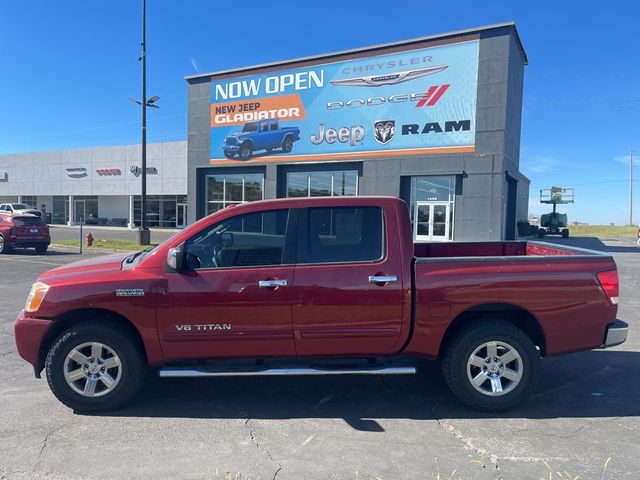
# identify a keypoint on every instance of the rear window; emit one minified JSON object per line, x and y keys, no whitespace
{"x":344,"y":234}
{"x":27,"y":221}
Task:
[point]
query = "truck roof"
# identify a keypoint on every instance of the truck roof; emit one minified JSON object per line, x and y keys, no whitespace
{"x":301,"y":202}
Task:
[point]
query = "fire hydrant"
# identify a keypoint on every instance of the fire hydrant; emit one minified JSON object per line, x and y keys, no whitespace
{"x":89,"y":239}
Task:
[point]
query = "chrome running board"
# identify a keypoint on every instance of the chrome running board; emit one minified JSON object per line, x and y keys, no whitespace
{"x":184,"y":372}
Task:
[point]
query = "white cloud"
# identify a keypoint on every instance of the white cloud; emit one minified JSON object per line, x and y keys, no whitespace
{"x":194,"y":64}
{"x":536,"y":163}
{"x":625,"y":159}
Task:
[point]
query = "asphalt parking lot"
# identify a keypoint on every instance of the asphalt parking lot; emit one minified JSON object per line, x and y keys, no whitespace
{"x":585,"y":411}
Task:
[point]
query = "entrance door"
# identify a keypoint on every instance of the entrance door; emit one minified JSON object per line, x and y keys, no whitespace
{"x":181,"y":215}
{"x":78,"y":211}
{"x":431,"y":222}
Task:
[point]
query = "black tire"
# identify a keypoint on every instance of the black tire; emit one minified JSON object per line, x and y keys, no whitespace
{"x":456,"y":361}
{"x":541,"y":233}
{"x":115,"y":337}
{"x":287,"y":144}
{"x":41,"y":248}
{"x":3,"y":246}
{"x":565,"y":233}
{"x":245,"y":151}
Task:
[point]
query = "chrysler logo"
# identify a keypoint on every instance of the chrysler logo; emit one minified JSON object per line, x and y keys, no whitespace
{"x":76,"y":172}
{"x":390,"y":79}
{"x":384,"y":131}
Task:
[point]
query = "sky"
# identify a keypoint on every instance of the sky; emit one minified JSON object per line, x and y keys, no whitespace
{"x":68,"y":69}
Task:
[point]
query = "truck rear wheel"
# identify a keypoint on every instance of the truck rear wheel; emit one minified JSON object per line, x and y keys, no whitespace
{"x":491,"y":365}
{"x":95,"y":366}
{"x":287,"y":144}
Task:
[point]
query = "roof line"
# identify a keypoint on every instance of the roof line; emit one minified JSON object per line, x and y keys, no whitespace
{"x":338,"y":53}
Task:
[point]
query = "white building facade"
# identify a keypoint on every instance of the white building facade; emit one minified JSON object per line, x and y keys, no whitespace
{"x":100,"y":185}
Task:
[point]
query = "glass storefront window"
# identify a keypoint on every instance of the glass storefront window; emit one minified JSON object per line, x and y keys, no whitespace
{"x":224,"y":190}
{"x":322,"y":184}
{"x":161,"y":210}
{"x":60,"y":210}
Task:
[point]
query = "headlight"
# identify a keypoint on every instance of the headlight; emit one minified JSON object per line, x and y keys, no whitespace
{"x":36,"y":296}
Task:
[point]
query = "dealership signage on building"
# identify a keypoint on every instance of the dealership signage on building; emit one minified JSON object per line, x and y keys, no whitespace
{"x":108,"y":172}
{"x":78,"y":172}
{"x":414,"y":101}
{"x":137,"y":171}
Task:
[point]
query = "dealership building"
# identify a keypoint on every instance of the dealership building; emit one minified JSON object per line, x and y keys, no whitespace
{"x":100,"y":185}
{"x":434,"y":120}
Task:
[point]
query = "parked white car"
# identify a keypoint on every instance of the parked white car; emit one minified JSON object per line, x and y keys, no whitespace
{"x":19,"y":208}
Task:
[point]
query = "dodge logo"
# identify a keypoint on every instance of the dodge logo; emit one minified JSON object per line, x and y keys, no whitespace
{"x":384,"y":131}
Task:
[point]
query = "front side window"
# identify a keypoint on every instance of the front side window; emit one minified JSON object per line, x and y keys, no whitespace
{"x":344,"y":234}
{"x":250,"y":240}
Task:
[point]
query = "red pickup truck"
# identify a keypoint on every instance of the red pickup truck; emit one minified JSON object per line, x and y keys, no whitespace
{"x":317,"y":286}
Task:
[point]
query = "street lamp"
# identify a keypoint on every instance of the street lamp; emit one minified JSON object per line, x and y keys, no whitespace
{"x":144,"y":236}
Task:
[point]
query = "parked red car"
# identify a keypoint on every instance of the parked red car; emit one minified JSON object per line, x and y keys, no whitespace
{"x":23,"y":231}
{"x":317,"y":286}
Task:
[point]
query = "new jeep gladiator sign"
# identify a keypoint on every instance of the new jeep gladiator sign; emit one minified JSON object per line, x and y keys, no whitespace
{"x":416,"y":101}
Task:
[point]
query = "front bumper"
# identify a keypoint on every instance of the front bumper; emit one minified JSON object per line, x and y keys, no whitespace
{"x":29,"y":334}
{"x":616,"y":334}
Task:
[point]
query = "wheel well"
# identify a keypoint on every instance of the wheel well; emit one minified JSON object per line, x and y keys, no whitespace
{"x":517,"y":316}
{"x":68,"y":319}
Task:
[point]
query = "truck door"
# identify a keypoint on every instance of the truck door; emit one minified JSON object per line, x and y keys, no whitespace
{"x":347,"y":286}
{"x":261,"y":138}
{"x":235,"y":299}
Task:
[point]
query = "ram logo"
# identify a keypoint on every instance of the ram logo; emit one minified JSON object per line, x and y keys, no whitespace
{"x":384,"y":131}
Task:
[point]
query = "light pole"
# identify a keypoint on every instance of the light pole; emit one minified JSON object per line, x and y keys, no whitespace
{"x":630,"y":187}
{"x":144,"y":236}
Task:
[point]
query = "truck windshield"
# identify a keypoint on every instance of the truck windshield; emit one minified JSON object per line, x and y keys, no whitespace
{"x":250,"y":127}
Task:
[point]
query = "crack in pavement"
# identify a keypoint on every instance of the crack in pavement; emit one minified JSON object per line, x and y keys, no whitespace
{"x":254,"y":439}
{"x":44,"y":445}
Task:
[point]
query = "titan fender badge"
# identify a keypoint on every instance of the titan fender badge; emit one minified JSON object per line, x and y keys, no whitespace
{"x":129,"y":292}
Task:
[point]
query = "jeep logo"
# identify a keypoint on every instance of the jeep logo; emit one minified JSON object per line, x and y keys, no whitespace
{"x":353,"y":135}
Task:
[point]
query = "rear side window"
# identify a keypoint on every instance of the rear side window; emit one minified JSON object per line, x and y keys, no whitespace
{"x":27,"y":221}
{"x":344,"y":235}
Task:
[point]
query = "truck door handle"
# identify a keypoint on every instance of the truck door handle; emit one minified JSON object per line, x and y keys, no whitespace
{"x":383,"y":278}
{"x":272,"y":283}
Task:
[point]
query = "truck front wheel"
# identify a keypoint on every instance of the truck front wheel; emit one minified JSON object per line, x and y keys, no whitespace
{"x":95,"y":366}
{"x":245,"y":151}
{"x":491,"y":365}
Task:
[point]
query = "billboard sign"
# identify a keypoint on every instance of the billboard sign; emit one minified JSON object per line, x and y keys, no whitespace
{"x":410,"y":102}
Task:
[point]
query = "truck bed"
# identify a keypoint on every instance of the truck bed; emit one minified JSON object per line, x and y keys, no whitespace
{"x":497,"y":249}
{"x":555,"y":285}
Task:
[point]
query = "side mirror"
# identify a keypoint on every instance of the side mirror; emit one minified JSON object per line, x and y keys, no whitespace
{"x":175,"y":257}
{"x":227,"y":239}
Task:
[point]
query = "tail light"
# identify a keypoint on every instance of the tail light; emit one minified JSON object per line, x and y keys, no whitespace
{"x":609,"y":283}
